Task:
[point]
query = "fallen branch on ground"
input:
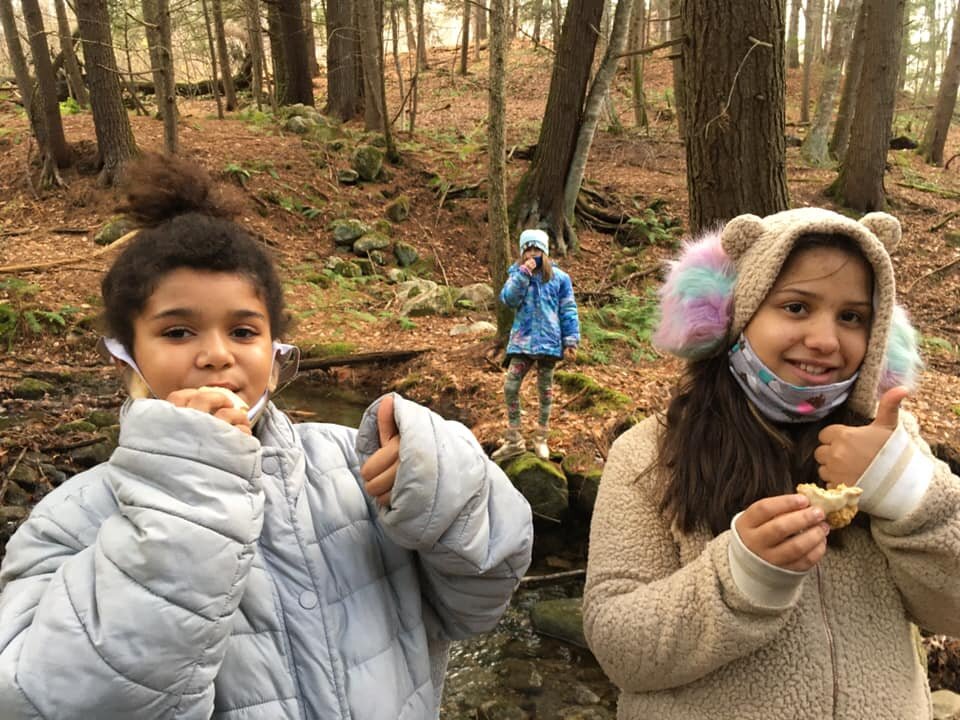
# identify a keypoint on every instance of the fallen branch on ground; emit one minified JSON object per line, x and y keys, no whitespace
{"x":33,"y":267}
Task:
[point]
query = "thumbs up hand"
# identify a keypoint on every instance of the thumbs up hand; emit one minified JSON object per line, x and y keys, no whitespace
{"x":845,"y":452}
{"x":380,"y":470}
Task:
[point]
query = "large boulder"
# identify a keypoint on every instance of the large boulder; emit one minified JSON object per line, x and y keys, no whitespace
{"x":406,"y":254}
{"x":367,"y":161}
{"x":399,"y":209}
{"x":114,"y":229}
{"x":424,"y":297}
{"x":477,"y":296}
{"x":561,"y":619}
{"x":542,"y":483}
{"x":346,"y":231}
{"x":369,"y":242}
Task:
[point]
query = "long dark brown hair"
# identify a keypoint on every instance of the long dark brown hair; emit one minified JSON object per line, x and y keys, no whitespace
{"x":719,"y":454}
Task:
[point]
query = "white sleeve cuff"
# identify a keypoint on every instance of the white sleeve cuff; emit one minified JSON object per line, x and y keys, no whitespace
{"x":764,"y":584}
{"x":897,"y":478}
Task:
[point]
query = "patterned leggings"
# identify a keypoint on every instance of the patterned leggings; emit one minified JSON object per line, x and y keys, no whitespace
{"x":519,"y":367}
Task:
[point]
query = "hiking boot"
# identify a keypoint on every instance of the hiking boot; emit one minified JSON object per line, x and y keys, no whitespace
{"x":511,"y":447}
{"x":540,"y":448}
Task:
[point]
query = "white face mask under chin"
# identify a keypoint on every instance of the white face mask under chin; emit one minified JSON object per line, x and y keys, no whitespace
{"x":286,"y":360}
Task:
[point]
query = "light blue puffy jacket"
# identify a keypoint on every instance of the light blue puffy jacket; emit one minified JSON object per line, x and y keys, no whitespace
{"x":205,"y":573}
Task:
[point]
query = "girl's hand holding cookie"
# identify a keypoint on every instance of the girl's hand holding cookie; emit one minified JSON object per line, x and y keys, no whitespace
{"x":785,"y":531}
{"x":218,"y":402}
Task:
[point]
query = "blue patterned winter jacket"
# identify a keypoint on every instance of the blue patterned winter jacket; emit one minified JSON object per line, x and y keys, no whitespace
{"x":203,"y":573}
{"x":546,"y":320}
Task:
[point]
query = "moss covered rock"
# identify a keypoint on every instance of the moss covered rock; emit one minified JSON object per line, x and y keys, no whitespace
{"x":31,"y":389}
{"x":399,"y":209}
{"x":590,"y":395}
{"x":346,"y":231}
{"x":542,"y":483}
{"x":561,"y":619}
{"x":367,"y":161}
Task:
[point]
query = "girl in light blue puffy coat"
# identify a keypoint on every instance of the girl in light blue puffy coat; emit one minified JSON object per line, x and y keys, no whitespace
{"x":546,"y":328}
{"x":226,"y":563}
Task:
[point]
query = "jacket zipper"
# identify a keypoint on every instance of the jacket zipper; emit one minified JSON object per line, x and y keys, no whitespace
{"x":830,"y":643}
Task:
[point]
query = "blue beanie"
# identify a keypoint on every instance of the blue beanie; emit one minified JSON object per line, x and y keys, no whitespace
{"x":537,"y":238}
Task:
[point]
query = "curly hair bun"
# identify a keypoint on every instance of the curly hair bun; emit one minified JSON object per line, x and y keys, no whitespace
{"x":160,"y":187}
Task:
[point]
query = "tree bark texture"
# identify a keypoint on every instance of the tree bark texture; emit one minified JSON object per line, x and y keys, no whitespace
{"x":151,"y":27}
{"x":537,"y":20}
{"x":410,"y":28}
{"x":939,"y":124}
{"x":734,"y":108}
{"x":344,"y":78}
{"x":212,"y":46}
{"x":110,"y":121}
{"x":255,"y":35}
{"x":599,"y":91}
{"x":814,"y":149}
{"x":19,"y":62}
{"x":277,"y":57}
{"x":812,"y":29}
{"x":45,"y":101}
{"x":423,"y":63}
{"x":539,"y":199}
{"x":70,"y":63}
{"x":293,"y":44}
{"x":860,"y":183}
{"x":310,"y":37}
{"x":170,"y":113}
{"x":497,"y":166}
{"x":465,"y":37}
{"x":638,"y":36}
{"x":230,"y":94}
{"x":841,"y":128}
{"x":371,"y":51}
{"x":676,"y":31}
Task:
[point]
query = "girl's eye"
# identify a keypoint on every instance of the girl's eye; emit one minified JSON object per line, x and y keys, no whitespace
{"x":794,"y":308}
{"x":245,"y":333}
{"x":851,"y":318}
{"x":176,"y":333}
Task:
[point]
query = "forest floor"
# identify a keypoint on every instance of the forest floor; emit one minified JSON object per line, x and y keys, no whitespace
{"x":458,"y":375}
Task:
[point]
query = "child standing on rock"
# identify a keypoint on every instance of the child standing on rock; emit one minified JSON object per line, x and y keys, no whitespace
{"x":226,"y":563}
{"x":712,"y":590}
{"x":546,"y":328}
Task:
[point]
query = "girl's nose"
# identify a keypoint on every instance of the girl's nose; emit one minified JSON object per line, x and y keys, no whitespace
{"x":215,"y":352}
{"x":822,"y":336}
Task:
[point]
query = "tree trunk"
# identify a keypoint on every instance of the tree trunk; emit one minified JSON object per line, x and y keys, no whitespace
{"x":497,"y":165}
{"x":371,"y":50}
{"x":110,"y":121}
{"x":537,"y":19}
{"x":47,"y":108}
{"x":423,"y":63}
{"x":939,"y":124}
{"x":676,"y":31}
{"x":70,"y":63}
{"x":151,"y":26}
{"x":299,"y":87}
{"x":482,"y":20}
{"x":599,"y":91}
{"x":814,"y":149}
{"x":255,"y":35}
{"x":212,"y":45}
{"x":638,"y":36}
{"x":860,"y":183}
{"x":170,"y":113}
{"x":20,"y":70}
{"x":935,"y":35}
{"x":310,"y":38}
{"x":395,"y":46}
{"x":411,"y":29}
{"x":664,"y":11}
{"x":464,"y":37}
{"x":344,"y":81}
{"x":539,"y":198}
{"x":278,"y":56}
{"x":841,"y":129}
{"x":734,"y":102}
{"x":813,"y":16}
{"x":225,"y":72}
{"x":555,"y":22}
{"x":793,"y":35}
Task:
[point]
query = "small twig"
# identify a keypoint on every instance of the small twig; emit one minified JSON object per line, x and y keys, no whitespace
{"x":733,"y":85}
{"x":935,"y":271}
{"x":652,"y":48}
{"x":946,"y":165}
{"x":552,"y":578}
{"x":74,"y":445}
{"x":68,"y":261}
{"x":70,"y":231}
{"x":947,"y":218}
{"x":6,"y":479}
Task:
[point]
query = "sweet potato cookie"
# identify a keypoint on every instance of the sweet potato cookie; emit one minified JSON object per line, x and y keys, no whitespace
{"x":839,"y":504}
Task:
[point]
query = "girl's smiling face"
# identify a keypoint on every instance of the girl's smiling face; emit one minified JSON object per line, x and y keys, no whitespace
{"x":813,"y":326}
{"x":204,"y":328}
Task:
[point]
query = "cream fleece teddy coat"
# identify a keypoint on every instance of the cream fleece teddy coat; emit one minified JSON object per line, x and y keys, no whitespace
{"x":694,"y":627}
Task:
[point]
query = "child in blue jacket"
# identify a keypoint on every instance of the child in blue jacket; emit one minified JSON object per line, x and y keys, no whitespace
{"x":546,"y":328}
{"x":225,"y":562}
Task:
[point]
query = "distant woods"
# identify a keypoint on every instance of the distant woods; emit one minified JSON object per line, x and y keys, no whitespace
{"x":868,"y":70}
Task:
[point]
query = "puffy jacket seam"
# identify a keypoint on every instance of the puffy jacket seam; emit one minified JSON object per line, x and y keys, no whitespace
{"x":58,"y":526}
{"x":320,"y":540}
{"x":30,"y":702}
{"x":379,"y":579}
{"x":179,"y":516}
{"x":106,"y":662}
{"x":192,"y":460}
{"x":391,"y":643}
{"x":436,"y":485}
{"x":258,"y":704}
{"x":156,"y":595}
